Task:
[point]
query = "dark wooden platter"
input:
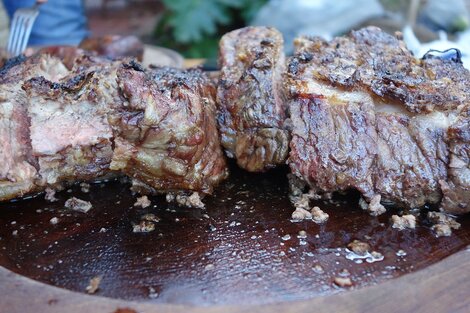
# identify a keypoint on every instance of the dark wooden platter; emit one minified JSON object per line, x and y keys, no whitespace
{"x":234,"y":254}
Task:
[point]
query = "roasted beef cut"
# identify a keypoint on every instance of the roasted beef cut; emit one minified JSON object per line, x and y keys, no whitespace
{"x":366,"y":114}
{"x":166,"y":137}
{"x":70,"y":134}
{"x":251,"y":105}
{"x":18,"y":167}
{"x":97,"y":117}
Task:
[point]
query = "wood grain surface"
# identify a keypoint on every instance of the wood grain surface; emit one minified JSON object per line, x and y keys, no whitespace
{"x":242,"y":250}
{"x":230,"y":257}
{"x":442,"y":287}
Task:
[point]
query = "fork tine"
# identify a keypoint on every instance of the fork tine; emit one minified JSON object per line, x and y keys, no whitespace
{"x":16,"y":35}
{"x":21,"y":27}
{"x":29,"y":26}
{"x":13,"y":34}
{"x":19,"y":35}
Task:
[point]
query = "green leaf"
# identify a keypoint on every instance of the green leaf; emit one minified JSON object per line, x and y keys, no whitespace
{"x":191,"y":20}
{"x":206,"y":48}
{"x":195,"y":26}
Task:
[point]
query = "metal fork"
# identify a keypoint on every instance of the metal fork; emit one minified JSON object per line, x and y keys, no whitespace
{"x":21,"y":26}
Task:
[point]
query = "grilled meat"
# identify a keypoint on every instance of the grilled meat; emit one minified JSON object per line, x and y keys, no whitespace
{"x":456,"y":188}
{"x":251,"y":103}
{"x":19,"y":168}
{"x":358,"y":112}
{"x":166,"y":138}
{"x":70,"y":135}
{"x":366,"y":114}
{"x":96,"y":117}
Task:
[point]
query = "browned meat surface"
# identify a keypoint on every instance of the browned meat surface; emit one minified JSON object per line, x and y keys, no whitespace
{"x":380,"y":63}
{"x":70,"y":134}
{"x":94,"y":117}
{"x":17,"y":171}
{"x":18,"y":167}
{"x":456,"y":188}
{"x":250,"y":98}
{"x":368,"y":115}
{"x":166,"y":138}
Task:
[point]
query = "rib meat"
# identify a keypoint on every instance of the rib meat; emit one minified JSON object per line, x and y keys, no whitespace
{"x":366,"y":114}
{"x":251,"y":103}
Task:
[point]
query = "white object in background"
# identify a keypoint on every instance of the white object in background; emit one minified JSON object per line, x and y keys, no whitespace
{"x":323,"y":18}
{"x":419,"y":49}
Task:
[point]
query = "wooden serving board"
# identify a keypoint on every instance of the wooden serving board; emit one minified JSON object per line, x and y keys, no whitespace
{"x":241,"y":253}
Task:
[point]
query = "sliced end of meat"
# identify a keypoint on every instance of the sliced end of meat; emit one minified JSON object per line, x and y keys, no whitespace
{"x":251,"y":102}
{"x":456,"y":189}
{"x":70,"y":134}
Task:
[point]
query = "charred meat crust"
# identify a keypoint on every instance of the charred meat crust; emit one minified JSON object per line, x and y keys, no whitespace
{"x":366,"y":114}
{"x":379,"y":63}
{"x":167,"y":137}
{"x":251,"y":104}
{"x":78,"y":122}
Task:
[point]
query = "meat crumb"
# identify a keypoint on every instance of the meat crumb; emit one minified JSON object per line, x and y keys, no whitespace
{"x":78,"y":205}
{"x":319,"y":216}
{"x":193,"y":201}
{"x":50,"y":195}
{"x":209,"y":267}
{"x":403,"y":222}
{"x":143,"y":227}
{"x":344,"y":272}
{"x":54,"y":221}
{"x":343,"y":281}
{"x":359,"y":247}
{"x":301,"y":214}
{"x":182,"y":199}
{"x":318,"y":269}
{"x":85,"y":187}
{"x":153,"y":294}
{"x":373,"y":207}
{"x":94,"y":285}
{"x":143,"y":202}
{"x":443,"y":223}
{"x":302,"y":202}
{"x":296,"y":186}
{"x":170,"y":197}
{"x":150,"y":217}
{"x":441,"y":230}
{"x":302,"y":234}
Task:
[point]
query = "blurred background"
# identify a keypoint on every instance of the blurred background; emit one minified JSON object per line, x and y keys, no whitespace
{"x":193,"y":27}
